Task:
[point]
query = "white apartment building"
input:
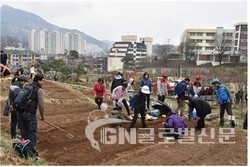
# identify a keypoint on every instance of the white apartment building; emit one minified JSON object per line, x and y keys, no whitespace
{"x":34,"y":40}
{"x":55,"y":42}
{"x":43,"y":38}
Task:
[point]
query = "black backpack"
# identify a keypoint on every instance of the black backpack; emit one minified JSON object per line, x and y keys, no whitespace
{"x":23,"y":98}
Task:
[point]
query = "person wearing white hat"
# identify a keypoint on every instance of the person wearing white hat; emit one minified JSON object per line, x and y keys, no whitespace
{"x":139,"y":106}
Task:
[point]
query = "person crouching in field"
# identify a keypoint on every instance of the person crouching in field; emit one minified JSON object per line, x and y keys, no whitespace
{"x":202,"y":108}
{"x":118,"y":95}
{"x":139,"y":106}
{"x":175,"y":125}
{"x":99,"y":92}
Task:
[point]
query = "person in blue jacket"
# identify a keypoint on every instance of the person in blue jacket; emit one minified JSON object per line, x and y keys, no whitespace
{"x":225,"y":100}
{"x":180,"y":91}
{"x":145,"y":81}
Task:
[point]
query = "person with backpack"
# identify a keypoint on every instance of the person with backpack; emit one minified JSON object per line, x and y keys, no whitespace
{"x":162,"y":88}
{"x":202,"y":109}
{"x":139,"y":101}
{"x":118,"y":95}
{"x":27,"y":115}
{"x":117,"y":81}
{"x":180,"y":91}
{"x":225,"y":100}
{"x":13,"y":92}
{"x":176,"y":123}
{"x":99,"y":92}
{"x":145,"y":81}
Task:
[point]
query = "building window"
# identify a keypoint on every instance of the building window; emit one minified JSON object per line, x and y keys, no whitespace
{"x":210,"y":34}
{"x":228,"y":41}
{"x":198,"y":48}
{"x":243,"y":40}
{"x":209,"y":48}
{"x":244,"y":28}
{"x":236,"y":35}
{"x":227,"y":48}
{"x":209,"y":41}
{"x":228,"y":34}
{"x":192,"y":33}
{"x":236,"y":42}
{"x":199,"y":34}
{"x":237,"y":28}
{"x":199,"y":40}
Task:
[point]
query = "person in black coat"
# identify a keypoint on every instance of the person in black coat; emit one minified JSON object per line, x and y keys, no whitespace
{"x":3,"y":58}
{"x":139,"y":106}
{"x":117,"y":81}
{"x":202,"y":107}
{"x":180,"y":91}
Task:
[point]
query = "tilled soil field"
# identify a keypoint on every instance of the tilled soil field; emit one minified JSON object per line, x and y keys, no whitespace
{"x":70,"y":110}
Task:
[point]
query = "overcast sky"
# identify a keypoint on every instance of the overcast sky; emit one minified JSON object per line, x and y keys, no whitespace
{"x":160,"y":19}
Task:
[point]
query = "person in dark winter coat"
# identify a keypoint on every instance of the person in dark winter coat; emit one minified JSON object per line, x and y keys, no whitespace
{"x":13,"y":92}
{"x":180,"y":91}
{"x":27,"y":118}
{"x":139,"y":106}
{"x":202,"y":107}
{"x":117,"y":81}
{"x":3,"y":58}
{"x":146,"y":81}
{"x":177,"y":123}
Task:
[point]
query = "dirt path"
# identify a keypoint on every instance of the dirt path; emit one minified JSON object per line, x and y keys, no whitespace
{"x":70,"y":109}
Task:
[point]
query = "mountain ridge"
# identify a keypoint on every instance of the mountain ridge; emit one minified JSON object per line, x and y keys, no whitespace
{"x":18,"y":23}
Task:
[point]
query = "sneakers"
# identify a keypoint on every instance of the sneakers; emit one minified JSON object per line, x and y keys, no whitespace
{"x":170,"y":138}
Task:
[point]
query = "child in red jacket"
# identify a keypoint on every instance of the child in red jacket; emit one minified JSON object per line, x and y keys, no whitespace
{"x":99,"y":92}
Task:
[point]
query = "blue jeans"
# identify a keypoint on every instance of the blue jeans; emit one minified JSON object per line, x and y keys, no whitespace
{"x":28,"y":127}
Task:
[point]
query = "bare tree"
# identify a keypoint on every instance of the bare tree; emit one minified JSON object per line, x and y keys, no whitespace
{"x":188,"y":49}
{"x":222,"y":43}
{"x":163,"y":51}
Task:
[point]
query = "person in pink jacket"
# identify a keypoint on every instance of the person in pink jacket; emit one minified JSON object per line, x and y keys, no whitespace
{"x":119,"y":94}
{"x":99,"y":92}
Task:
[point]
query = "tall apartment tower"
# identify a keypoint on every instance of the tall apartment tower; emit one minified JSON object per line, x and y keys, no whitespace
{"x":34,"y":40}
